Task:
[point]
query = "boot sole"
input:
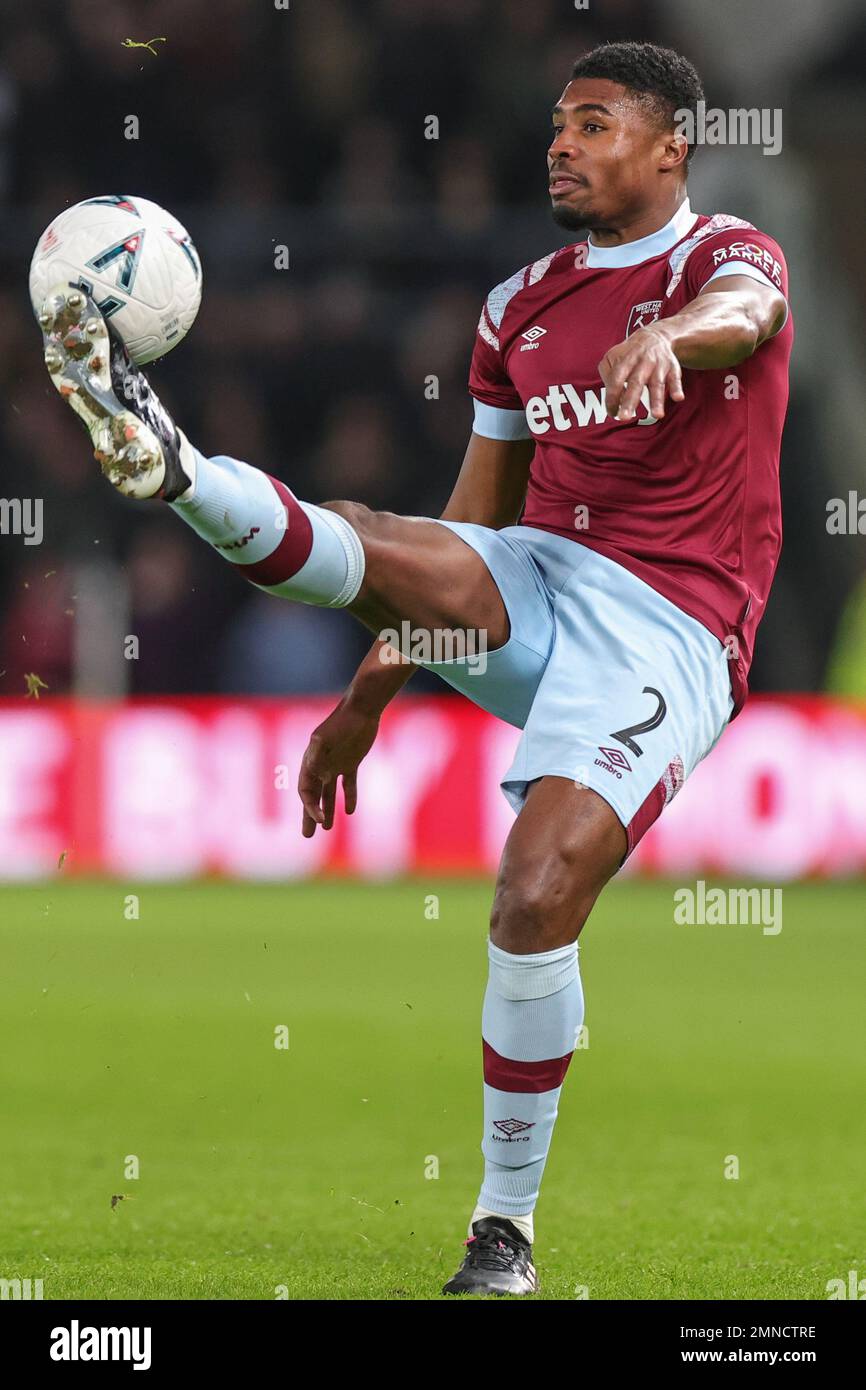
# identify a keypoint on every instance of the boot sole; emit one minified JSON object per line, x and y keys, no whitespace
{"x":78,"y":357}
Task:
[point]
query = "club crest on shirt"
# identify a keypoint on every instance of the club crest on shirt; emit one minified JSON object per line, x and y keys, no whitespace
{"x":642,"y":315}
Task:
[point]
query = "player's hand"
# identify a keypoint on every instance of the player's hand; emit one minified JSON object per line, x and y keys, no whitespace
{"x":335,"y":750}
{"x":646,"y":359}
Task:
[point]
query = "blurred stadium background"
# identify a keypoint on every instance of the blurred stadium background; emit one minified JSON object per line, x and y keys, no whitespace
{"x":305,"y":128}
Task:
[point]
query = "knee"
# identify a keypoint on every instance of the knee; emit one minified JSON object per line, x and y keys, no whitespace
{"x":376,"y":532}
{"x":361,"y":518}
{"x":541,"y":906}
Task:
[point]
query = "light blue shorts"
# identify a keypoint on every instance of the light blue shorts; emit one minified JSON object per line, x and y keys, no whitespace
{"x":613,"y":686}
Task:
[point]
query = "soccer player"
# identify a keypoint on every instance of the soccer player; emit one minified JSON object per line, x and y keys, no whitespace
{"x":613,"y":532}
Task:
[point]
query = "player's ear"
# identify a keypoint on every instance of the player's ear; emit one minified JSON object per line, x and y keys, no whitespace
{"x":674,"y":151}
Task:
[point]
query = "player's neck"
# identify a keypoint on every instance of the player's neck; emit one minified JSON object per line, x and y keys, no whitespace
{"x":645,"y":226}
{"x":658,"y":238}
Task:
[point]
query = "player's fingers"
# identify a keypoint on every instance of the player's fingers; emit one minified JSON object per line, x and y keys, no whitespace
{"x":613,"y":379}
{"x":329,"y":801}
{"x":310,"y":792}
{"x":613,"y":391}
{"x":637,"y":379}
{"x":675,"y":381}
{"x":657,"y":391}
{"x":350,"y":791}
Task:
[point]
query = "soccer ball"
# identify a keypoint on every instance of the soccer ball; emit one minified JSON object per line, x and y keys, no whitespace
{"x":136,"y":261}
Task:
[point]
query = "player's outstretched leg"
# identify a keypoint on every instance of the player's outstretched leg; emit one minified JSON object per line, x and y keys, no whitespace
{"x":564,"y":846}
{"x":384,"y":567}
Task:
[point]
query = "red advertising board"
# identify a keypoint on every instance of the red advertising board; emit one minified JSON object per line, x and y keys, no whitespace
{"x":177,"y":788}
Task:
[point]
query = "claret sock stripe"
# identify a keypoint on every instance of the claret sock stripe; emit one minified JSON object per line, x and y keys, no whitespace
{"x":289,"y":548}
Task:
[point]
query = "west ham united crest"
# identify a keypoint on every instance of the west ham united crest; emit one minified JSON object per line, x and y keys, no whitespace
{"x":642,"y":315}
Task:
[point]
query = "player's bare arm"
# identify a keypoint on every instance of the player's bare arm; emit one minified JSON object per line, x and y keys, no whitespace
{"x":491,"y":485}
{"x":725,"y":324}
{"x":489,"y":491}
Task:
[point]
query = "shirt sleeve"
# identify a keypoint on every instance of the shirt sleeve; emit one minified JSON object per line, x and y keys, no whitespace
{"x":736,"y":251}
{"x":499,"y":412}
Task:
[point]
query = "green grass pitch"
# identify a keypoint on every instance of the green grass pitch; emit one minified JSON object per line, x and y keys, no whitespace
{"x":306,"y":1169}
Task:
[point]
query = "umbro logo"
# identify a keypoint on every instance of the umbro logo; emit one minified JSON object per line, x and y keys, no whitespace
{"x":532,"y":335}
{"x":614,"y":761}
{"x":511,"y":1127}
{"x":614,"y":756}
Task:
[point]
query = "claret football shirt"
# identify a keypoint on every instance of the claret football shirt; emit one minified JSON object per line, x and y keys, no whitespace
{"x":689,"y":503}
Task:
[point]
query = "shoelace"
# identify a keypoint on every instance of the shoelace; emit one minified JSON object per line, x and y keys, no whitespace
{"x":490,"y":1253}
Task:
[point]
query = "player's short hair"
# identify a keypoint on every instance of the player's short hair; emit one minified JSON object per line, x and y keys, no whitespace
{"x":665,"y":80}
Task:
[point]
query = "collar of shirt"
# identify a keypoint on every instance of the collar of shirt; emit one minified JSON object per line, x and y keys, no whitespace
{"x":633,"y":252}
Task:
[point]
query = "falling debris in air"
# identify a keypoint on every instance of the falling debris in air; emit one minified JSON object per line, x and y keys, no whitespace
{"x":143,"y":43}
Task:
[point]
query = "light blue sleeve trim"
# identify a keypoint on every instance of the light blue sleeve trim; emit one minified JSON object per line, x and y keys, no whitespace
{"x":744,"y":268}
{"x":493,"y":422}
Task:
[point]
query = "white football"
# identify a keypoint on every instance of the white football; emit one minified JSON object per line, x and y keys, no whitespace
{"x":135,"y":259}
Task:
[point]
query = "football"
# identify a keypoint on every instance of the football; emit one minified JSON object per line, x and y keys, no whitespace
{"x":135,"y":259}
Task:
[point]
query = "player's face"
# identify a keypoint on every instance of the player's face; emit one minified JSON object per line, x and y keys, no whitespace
{"x":606,"y":156}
